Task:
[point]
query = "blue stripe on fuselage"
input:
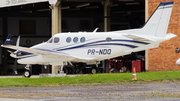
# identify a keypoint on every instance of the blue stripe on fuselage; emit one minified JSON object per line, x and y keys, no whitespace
{"x":50,"y":51}
{"x":81,"y":46}
{"x":98,"y":43}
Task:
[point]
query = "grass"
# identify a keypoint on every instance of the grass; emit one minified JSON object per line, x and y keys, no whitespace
{"x":93,"y":79}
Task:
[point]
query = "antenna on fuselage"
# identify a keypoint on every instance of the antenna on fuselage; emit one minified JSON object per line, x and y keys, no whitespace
{"x":95,"y":30}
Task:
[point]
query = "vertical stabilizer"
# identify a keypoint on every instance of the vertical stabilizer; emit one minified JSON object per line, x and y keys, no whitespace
{"x":8,"y":40}
{"x":158,"y":22}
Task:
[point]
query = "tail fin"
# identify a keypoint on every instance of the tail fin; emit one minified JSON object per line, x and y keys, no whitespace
{"x":158,"y":22}
{"x":8,"y":40}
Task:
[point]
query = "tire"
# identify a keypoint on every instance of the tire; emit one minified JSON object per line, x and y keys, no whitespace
{"x":27,"y":74}
{"x":93,"y":70}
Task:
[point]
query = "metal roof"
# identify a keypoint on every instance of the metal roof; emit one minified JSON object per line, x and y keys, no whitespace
{"x":9,"y":3}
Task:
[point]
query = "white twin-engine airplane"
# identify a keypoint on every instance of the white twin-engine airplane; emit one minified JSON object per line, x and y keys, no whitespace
{"x":95,"y":46}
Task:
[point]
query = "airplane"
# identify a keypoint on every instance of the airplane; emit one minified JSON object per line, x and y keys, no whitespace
{"x":178,"y":62}
{"x":92,"y":47}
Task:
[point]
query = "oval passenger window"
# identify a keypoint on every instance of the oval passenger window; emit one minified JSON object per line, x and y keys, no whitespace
{"x":68,"y":40}
{"x":82,"y":39}
{"x":75,"y":39}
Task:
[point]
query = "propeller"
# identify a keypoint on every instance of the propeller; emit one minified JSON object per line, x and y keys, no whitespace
{"x":15,"y":62}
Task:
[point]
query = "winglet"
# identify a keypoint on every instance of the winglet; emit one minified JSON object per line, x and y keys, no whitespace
{"x":8,"y":40}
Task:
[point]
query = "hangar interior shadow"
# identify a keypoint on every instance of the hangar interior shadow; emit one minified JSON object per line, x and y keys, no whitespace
{"x":33,"y":23}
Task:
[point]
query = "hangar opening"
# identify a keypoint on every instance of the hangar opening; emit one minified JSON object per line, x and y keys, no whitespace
{"x":34,"y":23}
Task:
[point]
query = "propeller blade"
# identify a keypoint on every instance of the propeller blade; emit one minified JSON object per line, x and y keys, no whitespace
{"x":10,"y":52}
{"x":18,"y":41}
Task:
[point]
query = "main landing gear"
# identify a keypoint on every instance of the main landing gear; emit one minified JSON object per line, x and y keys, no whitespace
{"x":27,"y":72}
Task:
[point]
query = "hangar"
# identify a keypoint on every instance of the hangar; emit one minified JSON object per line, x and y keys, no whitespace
{"x":37,"y":21}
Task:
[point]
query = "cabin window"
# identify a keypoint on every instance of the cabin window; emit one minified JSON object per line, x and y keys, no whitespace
{"x":108,"y":39}
{"x":56,"y":40}
{"x":68,"y":40}
{"x":75,"y":39}
{"x":82,"y":39}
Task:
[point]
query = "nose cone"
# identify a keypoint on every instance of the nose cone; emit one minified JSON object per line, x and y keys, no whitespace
{"x":178,"y":62}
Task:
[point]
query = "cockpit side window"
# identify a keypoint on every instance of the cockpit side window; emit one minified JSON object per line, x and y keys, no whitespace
{"x":56,"y":40}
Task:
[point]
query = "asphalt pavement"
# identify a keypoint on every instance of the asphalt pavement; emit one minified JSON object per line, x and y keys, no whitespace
{"x":127,"y":92}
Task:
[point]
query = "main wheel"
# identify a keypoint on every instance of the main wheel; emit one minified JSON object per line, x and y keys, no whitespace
{"x":27,"y":74}
{"x":94,"y":71}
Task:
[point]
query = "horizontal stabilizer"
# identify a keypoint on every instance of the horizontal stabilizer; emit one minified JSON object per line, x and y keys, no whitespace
{"x":139,"y":37}
{"x":170,"y":35}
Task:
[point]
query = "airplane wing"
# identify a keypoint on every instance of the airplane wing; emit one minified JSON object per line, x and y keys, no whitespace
{"x":40,"y":51}
{"x":44,"y":52}
{"x":35,"y":51}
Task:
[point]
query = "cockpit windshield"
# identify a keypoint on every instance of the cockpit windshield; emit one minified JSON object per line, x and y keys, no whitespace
{"x":50,"y":40}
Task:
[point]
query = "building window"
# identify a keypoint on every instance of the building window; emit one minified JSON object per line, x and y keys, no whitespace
{"x":27,"y":27}
{"x":68,"y":40}
{"x":56,"y":40}
{"x":82,"y":39}
{"x":75,"y":39}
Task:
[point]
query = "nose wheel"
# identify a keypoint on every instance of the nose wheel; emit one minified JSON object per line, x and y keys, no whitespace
{"x":27,"y":74}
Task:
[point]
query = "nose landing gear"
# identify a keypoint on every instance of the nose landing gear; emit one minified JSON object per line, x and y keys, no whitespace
{"x":27,"y":72}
